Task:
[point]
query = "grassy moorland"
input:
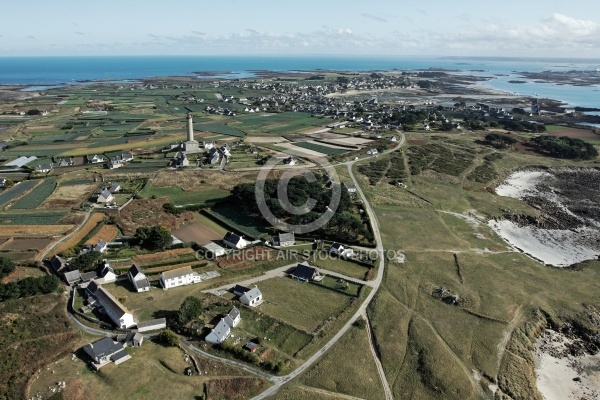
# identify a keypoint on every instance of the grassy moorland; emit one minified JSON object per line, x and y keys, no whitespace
{"x":431,"y":349}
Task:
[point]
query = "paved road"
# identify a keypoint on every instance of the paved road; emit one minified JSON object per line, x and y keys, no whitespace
{"x":45,"y":253}
{"x":362,"y":309}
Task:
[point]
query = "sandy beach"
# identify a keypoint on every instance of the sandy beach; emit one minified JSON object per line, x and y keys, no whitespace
{"x":561,"y":376}
{"x":565,"y":235}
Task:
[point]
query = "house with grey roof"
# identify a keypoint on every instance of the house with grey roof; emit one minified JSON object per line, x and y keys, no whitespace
{"x":219,"y":333}
{"x":178,"y":277}
{"x":233,"y":317}
{"x":152,"y":325}
{"x":105,"y":197}
{"x":305,"y":273}
{"x":284,"y":239}
{"x":72,"y":277}
{"x":252,"y":297}
{"x":104,"y":351}
{"x":138,"y":279}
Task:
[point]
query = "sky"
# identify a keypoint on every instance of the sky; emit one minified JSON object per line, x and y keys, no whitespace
{"x":507,"y":28}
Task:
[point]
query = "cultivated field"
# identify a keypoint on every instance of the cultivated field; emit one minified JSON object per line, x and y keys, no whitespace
{"x":106,"y":233}
{"x":85,"y":230}
{"x":196,"y":232}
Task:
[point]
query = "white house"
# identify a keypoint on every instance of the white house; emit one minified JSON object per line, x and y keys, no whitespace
{"x":252,"y":297}
{"x":350,"y":188}
{"x":105,"y":197}
{"x":43,"y":169}
{"x":115,"y":187}
{"x":179,"y":277}
{"x":138,"y":279}
{"x":233,"y":317}
{"x":107,"y":274}
{"x":234,"y":241}
{"x":95,"y":159}
{"x":219,"y":333}
{"x":101,"y":246}
{"x":101,"y":298}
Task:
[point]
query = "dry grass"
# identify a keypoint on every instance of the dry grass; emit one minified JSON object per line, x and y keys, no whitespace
{"x":34,"y":230}
{"x":154,"y":372}
{"x":90,"y":224}
{"x":107,"y":233}
{"x":337,"y":372}
{"x":149,"y":259}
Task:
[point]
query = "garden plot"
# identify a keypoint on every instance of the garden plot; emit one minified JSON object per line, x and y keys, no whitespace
{"x":196,"y":232}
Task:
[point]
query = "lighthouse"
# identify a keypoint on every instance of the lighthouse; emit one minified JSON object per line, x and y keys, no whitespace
{"x":190,"y":145}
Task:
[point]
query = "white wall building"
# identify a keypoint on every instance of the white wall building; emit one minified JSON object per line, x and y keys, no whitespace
{"x":179,"y":277}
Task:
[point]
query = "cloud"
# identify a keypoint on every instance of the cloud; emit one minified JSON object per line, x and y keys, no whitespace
{"x":374,"y":17}
{"x":30,"y":37}
{"x":79,"y":33}
{"x":198,"y":33}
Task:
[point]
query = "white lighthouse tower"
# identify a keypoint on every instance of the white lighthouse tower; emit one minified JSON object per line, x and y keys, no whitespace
{"x":191,"y":145}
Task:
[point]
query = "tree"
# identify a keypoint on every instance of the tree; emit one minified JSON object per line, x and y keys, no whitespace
{"x":33,"y":111}
{"x":153,"y":237}
{"x":6,"y":267}
{"x":86,"y":261}
{"x":168,"y":337}
{"x":190,"y":309}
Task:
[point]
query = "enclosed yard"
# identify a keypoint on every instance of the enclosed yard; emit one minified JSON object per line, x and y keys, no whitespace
{"x":303,"y":305}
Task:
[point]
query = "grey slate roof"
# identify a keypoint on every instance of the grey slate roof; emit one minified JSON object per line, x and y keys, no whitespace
{"x":88,"y":276}
{"x":134,"y":271}
{"x":304,"y":271}
{"x":102,"y":348}
{"x":72,"y":276}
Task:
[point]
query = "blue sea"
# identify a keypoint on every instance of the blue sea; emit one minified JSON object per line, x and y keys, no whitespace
{"x":42,"y":73}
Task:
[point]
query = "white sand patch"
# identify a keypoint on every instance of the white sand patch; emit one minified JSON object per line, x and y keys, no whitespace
{"x":521,"y":183}
{"x":559,"y":248}
{"x":555,"y":374}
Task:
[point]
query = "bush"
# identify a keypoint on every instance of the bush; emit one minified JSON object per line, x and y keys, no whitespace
{"x":6,"y":267}
{"x":168,"y":337}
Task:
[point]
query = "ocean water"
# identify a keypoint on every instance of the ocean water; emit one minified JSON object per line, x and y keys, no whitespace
{"x":43,"y":73}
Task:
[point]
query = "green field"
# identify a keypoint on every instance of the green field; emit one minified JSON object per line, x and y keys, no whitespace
{"x":37,"y":196}
{"x":12,"y":193}
{"x":303,"y":305}
{"x":330,"y":151}
{"x":178,"y":197}
{"x":32,"y":217}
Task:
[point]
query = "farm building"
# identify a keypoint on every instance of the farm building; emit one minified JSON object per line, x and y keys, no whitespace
{"x":213,"y":250}
{"x":101,"y":298}
{"x":152,"y":325}
{"x":284,"y":239}
{"x":72,"y":277}
{"x":179,"y":277}
{"x":138,"y":279}
{"x":252,"y":297}
{"x":234,"y":241}
{"x":106,"y":273}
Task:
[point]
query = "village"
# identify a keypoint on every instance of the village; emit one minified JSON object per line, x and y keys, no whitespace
{"x":140,"y":198}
